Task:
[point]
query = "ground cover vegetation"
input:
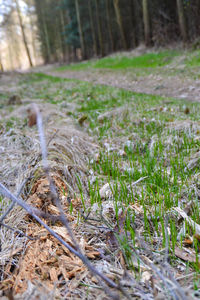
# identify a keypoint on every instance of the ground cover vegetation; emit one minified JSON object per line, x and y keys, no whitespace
{"x":126,"y":163}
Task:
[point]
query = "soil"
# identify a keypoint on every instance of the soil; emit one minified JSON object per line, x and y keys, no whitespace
{"x":180,"y":85}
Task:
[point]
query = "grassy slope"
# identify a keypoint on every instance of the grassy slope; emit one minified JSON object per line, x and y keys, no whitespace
{"x":148,"y":60}
{"x":151,"y":60}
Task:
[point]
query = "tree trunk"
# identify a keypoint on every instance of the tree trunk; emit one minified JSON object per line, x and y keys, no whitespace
{"x":33,"y":37}
{"x":108,"y":16}
{"x":23,"y":33}
{"x":58,"y":42}
{"x":65,"y":48}
{"x":182,"y":22}
{"x":119,"y":21}
{"x":134,"y":22}
{"x":1,"y":64}
{"x":80,"y":29}
{"x":100,"y":36}
{"x":147,"y":25}
{"x":92,"y":28}
{"x":11,"y":62}
{"x":46,"y":36}
{"x":1,"y":67}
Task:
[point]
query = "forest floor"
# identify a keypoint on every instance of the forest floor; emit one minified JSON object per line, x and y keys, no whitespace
{"x":123,"y":137}
{"x":170,"y":74}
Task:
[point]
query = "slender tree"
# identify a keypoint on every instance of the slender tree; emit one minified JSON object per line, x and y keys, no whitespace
{"x":23,"y":33}
{"x":108,"y":16}
{"x":33,"y":36}
{"x":46,"y":36}
{"x":94,"y":38}
{"x":146,"y":20}
{"x":80,"y":29}
{"x":1,"y":64}
{"x":133,"y":21}
{"x":65,"y":47}
{"x":99,"y":26}
{"x":182,"y":22}
{"x":120,"y":23}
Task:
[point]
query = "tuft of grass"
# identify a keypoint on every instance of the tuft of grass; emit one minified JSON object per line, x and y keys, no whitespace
{"x":148,"y":60}
{"x":75,"y":66}
{"x":193,"y":60}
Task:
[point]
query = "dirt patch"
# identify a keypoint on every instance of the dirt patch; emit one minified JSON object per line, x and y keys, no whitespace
{"x":180,"y":87}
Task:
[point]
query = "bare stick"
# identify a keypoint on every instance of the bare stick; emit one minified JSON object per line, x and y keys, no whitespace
{"x":18,"y":231}
{"x":52,"y":137}
{"x":63,"y":218}
{"x":13,"y":203}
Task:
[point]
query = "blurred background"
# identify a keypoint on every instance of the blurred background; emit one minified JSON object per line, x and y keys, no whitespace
{"x":34,"y":32}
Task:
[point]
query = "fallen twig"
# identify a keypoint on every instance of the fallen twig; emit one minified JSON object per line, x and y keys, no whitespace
{"x":188,"y":219}
{"x":64,"y":220}
{"x":17,"y":231}
{"x":12,"y":203}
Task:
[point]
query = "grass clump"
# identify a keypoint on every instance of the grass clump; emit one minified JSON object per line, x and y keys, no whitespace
{"x":193,"y":60}
{"x":148,"y":60}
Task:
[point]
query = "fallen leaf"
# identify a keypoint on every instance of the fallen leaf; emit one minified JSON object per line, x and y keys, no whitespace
{"x":188,"y":241}
{"x":186,"y":255}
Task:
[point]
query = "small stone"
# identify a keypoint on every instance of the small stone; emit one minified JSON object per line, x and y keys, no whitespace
{"x":105,"y":192}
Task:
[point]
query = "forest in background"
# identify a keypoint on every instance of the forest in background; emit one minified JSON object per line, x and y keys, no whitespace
{"x":70,"y":30}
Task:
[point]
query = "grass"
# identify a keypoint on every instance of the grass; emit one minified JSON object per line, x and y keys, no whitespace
{"x":145,"y":143}
{"x":193,"y":60}
{"x":148,"y":60}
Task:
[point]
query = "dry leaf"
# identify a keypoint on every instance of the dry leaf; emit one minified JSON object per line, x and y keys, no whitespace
{"x":188,"y":241}
{"x":185,"y":254}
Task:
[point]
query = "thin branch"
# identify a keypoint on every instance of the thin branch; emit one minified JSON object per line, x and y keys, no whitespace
{"x":13,"y":203}
{"x":52,"y":137}
{"x":18,"y":231}
{"x":63,"y":218}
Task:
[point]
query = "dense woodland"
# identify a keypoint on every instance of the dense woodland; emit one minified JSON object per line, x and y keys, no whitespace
{"x":100,"y":27}
{"x":69,"y":30}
